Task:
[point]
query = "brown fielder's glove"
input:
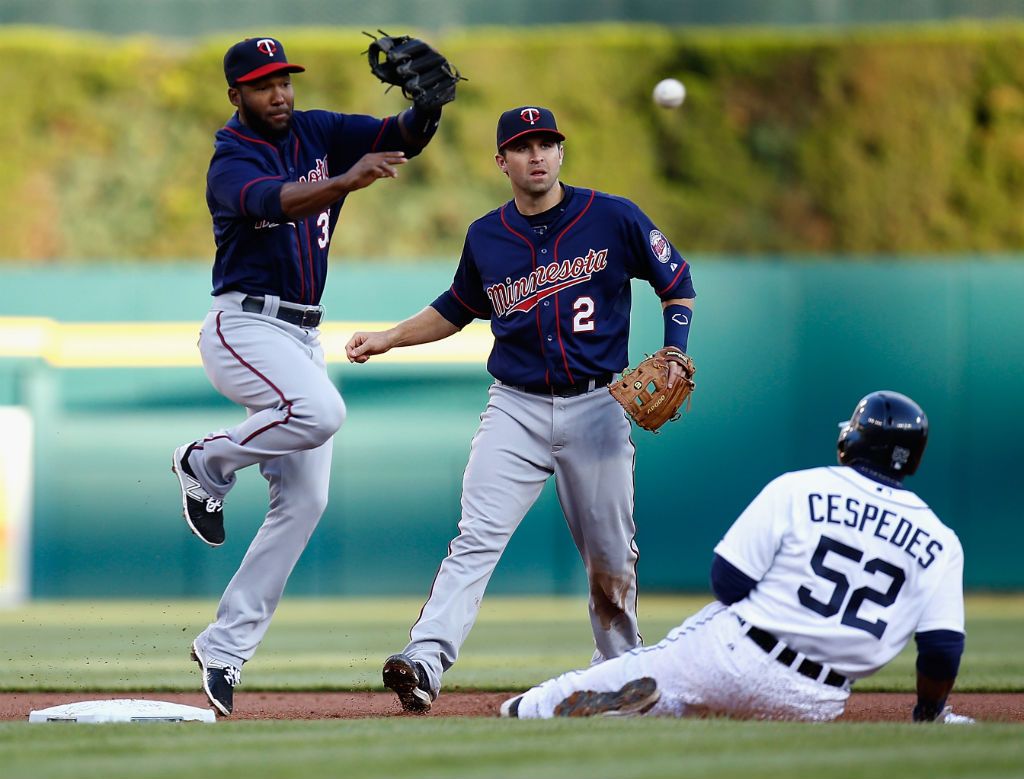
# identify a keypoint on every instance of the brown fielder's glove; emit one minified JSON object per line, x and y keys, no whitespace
{"x":424,"y":75}
{"x":644,"y":391}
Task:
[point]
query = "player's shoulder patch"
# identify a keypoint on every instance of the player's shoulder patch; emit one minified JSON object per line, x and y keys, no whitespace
{"x":660,"y":247}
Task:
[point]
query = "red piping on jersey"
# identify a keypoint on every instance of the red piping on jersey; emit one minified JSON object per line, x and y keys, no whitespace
{"x":309,"y":253}
{"x":465,"y":305}
{"x":287,"y":403}
{"x":210,"y":438}
{"x":380,"y":133}
{"x":558,"y":326}
{"x":533,"y":259}
{"x":674,"y":280}
{"x":241,"y":198}
{"x":233,"y":131}
{"x":302,"y":272}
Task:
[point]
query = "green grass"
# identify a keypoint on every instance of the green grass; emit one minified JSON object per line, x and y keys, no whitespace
{"x":422,"y":747}
{"x":339,"y":644}
{"x":321,"y":644}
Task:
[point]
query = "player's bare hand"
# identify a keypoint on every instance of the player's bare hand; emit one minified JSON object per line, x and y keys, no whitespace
{"x":362,"y":346}
{"x":374,"y":166}
{"x":675,"y":373}
{"x":676,"y":365}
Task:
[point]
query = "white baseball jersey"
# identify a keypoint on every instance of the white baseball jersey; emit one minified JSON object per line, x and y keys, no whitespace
{"x":848,"y":569}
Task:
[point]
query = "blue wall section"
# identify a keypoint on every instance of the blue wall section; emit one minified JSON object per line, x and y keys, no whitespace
{"x":784,"y":350}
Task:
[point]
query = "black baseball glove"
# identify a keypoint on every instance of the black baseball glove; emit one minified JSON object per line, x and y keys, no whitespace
{"x":424,"y":75}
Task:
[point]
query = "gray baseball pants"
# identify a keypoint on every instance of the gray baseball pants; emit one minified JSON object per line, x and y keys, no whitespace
{"x":523,"y":439}
{"x":277,"y":372}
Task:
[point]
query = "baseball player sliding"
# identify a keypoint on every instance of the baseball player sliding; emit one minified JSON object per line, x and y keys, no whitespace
{"x":821,"y":581}
{"x":551,"y":270}
{"x":276,"y":184}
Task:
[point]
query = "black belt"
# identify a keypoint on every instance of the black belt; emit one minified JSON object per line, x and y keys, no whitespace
{"x":300,"y":316}
{"x":581,"y":387}
{"x":787,"y":657}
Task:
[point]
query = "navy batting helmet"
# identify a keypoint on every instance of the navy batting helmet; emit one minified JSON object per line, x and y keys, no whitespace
{"x":887,"y":432}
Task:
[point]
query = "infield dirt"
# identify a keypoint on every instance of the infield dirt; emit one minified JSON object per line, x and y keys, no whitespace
{"x":862,"y":707}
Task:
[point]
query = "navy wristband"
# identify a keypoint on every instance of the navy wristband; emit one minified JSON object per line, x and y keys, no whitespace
{"x":423,"y":123}
{"x":677,"y":325}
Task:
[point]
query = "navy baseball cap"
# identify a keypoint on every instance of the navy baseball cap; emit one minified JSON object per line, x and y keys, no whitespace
{"x":256,"y":58}
{"x":526,"y":120}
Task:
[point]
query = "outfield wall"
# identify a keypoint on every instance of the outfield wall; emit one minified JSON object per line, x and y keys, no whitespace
{"x":104,"y":359}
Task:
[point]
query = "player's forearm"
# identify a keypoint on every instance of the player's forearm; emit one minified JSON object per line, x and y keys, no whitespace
{"x":425,"y":327}
{"x":417,"y":127}
{"x":302,"y":199}
{"x":931,"y":697}
{"x":688,"y":302}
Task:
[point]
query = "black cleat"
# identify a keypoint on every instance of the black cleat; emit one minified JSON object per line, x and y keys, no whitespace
{"x":409,"y":682}
{"x":633,"y":698}
{"x":203,"y":513}
{"x":219,"y":681}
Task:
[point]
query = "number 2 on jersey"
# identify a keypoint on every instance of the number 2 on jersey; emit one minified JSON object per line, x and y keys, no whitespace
{"x":583,"y":321}
{"x":842,"y":586}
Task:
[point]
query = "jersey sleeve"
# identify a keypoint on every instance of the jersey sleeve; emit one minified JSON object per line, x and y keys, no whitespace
{"x":465,"y":300}
{"x":353,"y":135}
{"x":240,"y":185}
{"x":945,"y":609}
{"x":752,"y":542}
{"x":656,"y":260}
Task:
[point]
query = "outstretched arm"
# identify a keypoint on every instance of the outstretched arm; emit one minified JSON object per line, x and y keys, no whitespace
{"x":304,"y":198}
{"x":425,"y":327}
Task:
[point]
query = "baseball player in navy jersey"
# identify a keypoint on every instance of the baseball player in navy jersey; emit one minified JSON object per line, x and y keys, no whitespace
{"x":821,"y":581}
{"x":276,"y":184}
{"x":551,"y":270}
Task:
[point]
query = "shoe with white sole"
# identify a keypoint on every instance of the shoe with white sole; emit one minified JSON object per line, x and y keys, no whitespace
{"x":219,"y":680}
{"x":203,"y":512}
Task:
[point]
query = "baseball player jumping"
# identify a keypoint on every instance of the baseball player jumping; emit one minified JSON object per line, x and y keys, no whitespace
{"x":275,"y":187}
{"x":551,"y":270}
{"x":821,"y":581}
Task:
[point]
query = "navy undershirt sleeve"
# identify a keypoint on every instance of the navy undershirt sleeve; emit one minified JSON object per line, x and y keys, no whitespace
{"x":939,"y":653}
{"x":728,"y":582}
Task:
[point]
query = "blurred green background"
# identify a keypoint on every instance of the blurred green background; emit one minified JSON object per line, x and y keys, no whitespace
{"x":848,"y":187}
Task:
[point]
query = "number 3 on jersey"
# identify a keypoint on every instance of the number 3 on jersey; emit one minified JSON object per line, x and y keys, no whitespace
{"x":830,"y":608}
{"x":324,"y":223}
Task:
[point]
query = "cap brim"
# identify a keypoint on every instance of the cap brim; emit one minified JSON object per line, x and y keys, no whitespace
{"x":531,"y":131}
{"x":845,"y":423}
{"x":267,"y":70}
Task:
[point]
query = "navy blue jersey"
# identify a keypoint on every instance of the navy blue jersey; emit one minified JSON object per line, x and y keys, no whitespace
{"x":559,"y":302}
{"x":259,"y":251}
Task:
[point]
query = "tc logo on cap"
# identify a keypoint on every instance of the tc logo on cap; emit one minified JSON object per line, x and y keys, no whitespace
{"x":267,"y":45}
{"x":531,"y":115}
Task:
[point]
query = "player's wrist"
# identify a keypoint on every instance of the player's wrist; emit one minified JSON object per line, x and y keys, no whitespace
{"x":677,"y":326}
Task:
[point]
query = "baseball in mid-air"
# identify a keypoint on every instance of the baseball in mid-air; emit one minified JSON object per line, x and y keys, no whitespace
{"x":669,"y":93}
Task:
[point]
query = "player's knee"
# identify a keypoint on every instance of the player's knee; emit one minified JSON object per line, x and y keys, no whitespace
{"x":322,"y":417}
{"x":312,"y":503}
{"x":333,"y":415}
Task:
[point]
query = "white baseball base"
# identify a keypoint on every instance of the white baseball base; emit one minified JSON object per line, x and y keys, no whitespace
{"x":122,"y":710}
